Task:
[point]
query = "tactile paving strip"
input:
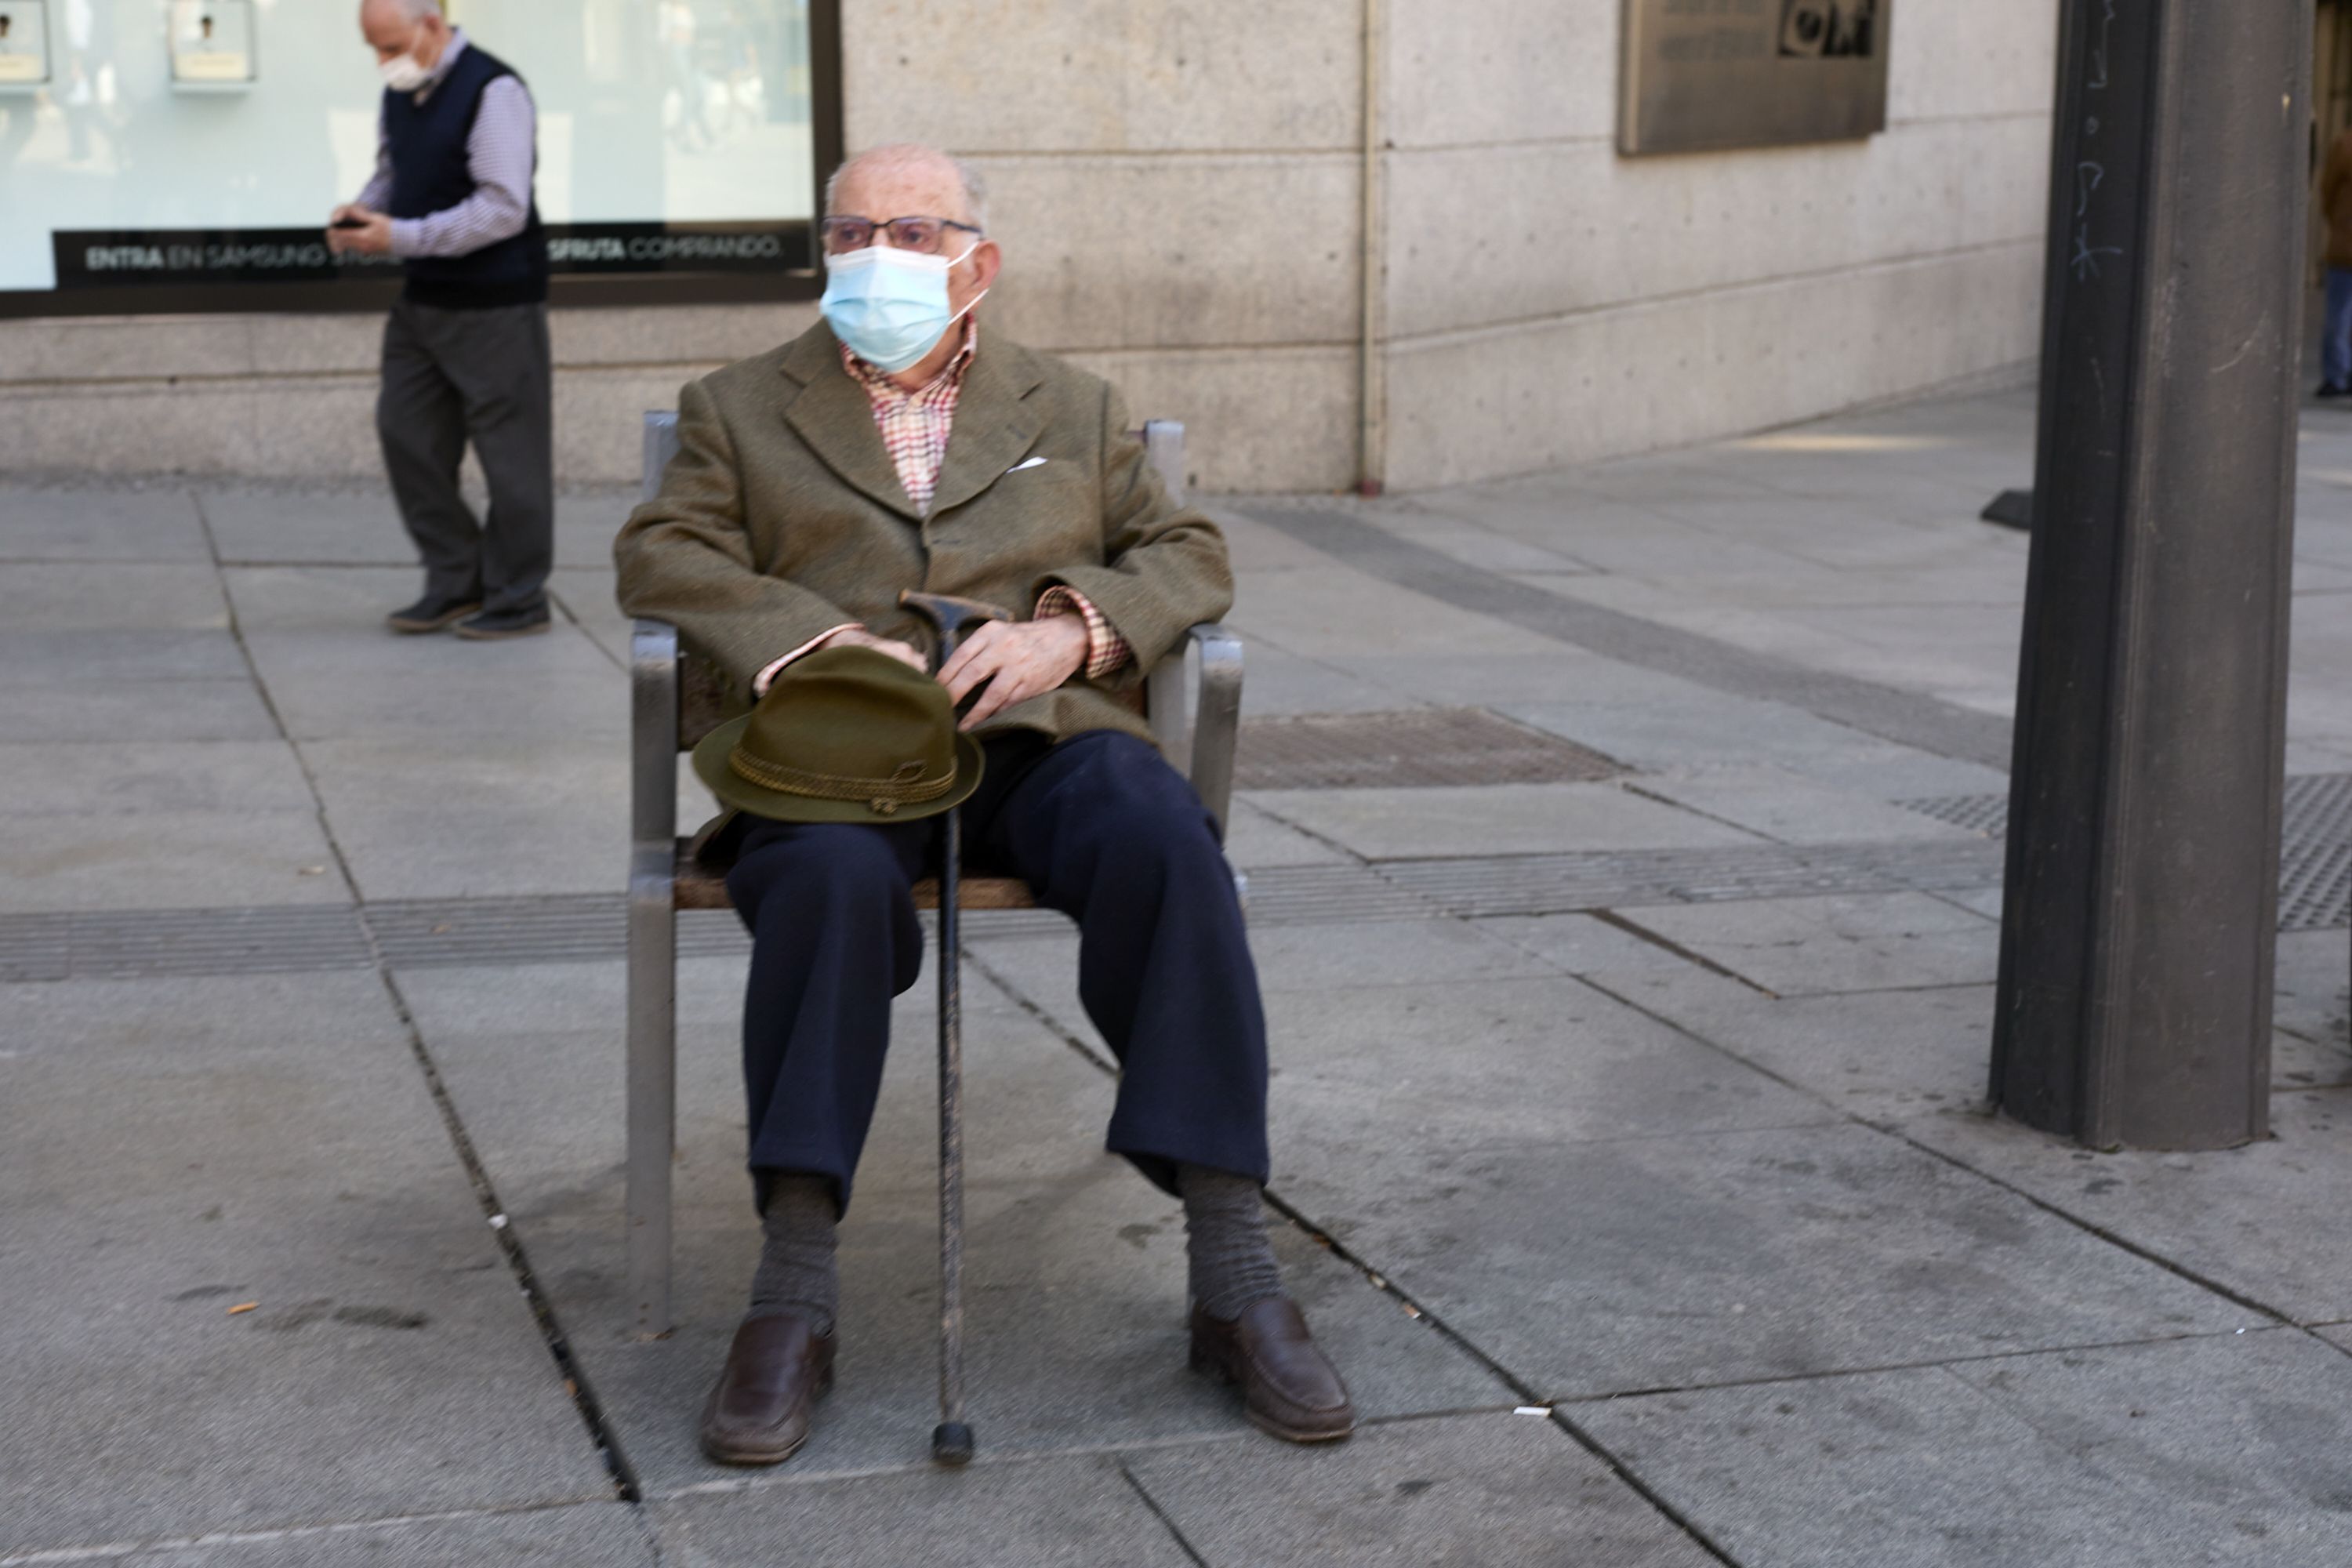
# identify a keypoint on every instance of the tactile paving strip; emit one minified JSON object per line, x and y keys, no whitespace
{"x":2313,"y":894}
{"x":1415,"y":747}
{"x":2314,"y":844}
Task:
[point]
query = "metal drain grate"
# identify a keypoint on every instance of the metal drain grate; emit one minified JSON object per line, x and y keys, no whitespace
{"x":2315,"y":844}
{"x":270,"y":939}
{"x":2315,"y":859}
{"x":1985,"y":814}
{"x":1413,"y":748}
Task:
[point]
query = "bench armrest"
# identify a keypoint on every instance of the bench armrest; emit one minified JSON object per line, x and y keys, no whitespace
{"x":653,"y":735}
{"x":1199,"y":735}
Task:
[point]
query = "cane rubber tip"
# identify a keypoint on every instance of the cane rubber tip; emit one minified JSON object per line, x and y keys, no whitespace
{"x":951,"y":1443}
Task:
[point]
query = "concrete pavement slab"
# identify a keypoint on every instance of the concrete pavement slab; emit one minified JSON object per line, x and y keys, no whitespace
{"x":586,"y":521}
{"x":1448,"y":1066}
{"x":579,"y":1535}
{"x":477,"y":815}
{"x":1780,"y":804}
{"x":168,"y":859}
{"x":1489,"y":681}
{"x":1474,"y":1489}
{"x":1865,"y":942}
{"x":91,"y":523}
{"x":101,"y":778}
{"x":1883,"y":1055}
{"x":1492,"y":819}
{"x":1582,"y":944}
{"x":1278,"y":682}
{"x":1591,"y":1267}
{"x":1039,"y":1514}
{"x":147,"y":596}
{"x":1899,"y":774}
{"x":1255,"y":840}
{"x":1706,"y":727}
{"x":203,"y":1143}
{"x":2204,"y":1451}
{"x":2311,"y":975}
{"x":1488,"y":549}
{"x":2263,"y":1220}
{"x":119,"y":655}
{"x":585,"y":595}
{"x":1329,"y":611}
{"x":342,"y":525}
{"x":141,"y":710}
{"x":1076,"y":1274}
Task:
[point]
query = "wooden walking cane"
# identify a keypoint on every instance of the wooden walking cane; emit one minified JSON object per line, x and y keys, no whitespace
{"x":951,"y":1438}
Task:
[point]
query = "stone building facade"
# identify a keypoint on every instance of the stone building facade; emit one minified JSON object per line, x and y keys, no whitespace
{"x":1193,"y":197}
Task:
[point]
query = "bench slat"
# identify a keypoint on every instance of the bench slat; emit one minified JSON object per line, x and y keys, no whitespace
{"x":699,"y":887}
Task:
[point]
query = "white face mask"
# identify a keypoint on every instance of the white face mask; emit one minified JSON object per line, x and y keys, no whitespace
{"x":402,"y":74}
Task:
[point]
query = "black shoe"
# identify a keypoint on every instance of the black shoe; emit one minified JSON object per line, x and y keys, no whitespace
{"x":491,"y":626}
{"x":430,"y":614}
{"x":2329,"y":389}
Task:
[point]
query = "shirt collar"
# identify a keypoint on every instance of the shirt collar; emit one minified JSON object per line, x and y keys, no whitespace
{"x":873,"y":376}
{"x":449,"y":60}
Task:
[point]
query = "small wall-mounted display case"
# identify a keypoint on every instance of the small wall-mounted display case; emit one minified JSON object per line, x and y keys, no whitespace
{"x":25,"y":45}
{"x":214,"y":46}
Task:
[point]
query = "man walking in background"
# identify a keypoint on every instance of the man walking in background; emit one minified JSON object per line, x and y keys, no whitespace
{"x":465,"y":353}
{"x":2336,"y":201}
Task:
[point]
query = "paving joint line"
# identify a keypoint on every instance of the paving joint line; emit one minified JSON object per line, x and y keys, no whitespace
{"x":621,"y":1474}
{"x":1832,"y":1373}
{"x":1688,"y":955}
{"x":118,"y":1550}
{"x":1158,"y":1512}
{"x":2236,"y":1297}
{"x":1585,"y":1440}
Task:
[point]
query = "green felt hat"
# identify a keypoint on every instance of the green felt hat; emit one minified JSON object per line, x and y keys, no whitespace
{"x":844,"y":734}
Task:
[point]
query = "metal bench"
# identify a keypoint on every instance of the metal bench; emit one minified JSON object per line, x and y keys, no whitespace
{"x":674,"y":703}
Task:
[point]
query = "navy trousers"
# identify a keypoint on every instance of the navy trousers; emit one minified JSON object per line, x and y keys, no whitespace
{"x":1102,"y":829}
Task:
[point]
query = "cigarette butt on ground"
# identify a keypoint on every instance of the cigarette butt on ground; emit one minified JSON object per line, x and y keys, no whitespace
{"x":242,"y":1307}
{"x":1532,"y":1410}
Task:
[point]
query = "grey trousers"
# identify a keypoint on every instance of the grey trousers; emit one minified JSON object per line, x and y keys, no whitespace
{"x":453,"y":376}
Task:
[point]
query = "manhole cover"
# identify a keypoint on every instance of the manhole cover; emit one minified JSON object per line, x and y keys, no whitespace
{"x":1418,"y":747}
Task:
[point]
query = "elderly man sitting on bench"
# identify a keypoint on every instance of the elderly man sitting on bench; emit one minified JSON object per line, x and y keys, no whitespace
{"x":894,"y":446}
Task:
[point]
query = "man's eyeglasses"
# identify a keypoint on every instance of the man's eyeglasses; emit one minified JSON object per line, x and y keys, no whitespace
{"x":928,"y":235}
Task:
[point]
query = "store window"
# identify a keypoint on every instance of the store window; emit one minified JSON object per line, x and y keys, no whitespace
{"x":182,"y":154}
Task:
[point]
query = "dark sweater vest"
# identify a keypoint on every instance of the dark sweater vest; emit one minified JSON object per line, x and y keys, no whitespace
{"x":427,"y":143}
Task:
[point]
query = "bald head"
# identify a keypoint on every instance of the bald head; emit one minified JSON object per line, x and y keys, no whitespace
{"x":940,"y":185}
{"x":396,"y":28}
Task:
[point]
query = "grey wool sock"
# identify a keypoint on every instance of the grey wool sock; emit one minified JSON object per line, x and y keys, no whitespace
{"x":1232,"y":1265}
{"x":797,"y":1272}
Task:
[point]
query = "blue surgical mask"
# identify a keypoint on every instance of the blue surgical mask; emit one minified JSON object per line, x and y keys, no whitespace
{"x":890,"y":306}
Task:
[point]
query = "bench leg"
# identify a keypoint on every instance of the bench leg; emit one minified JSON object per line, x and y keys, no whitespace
{"x":653,"y":1095}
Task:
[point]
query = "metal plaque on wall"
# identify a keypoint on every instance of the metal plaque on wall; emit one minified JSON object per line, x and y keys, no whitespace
{"x":1711,"y":74}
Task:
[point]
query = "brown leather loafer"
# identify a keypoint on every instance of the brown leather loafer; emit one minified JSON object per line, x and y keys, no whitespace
{"x":759,"y":1412}
{"x":1288,"y":1387}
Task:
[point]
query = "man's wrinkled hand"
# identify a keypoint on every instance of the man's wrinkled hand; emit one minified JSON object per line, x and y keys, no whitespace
{"x":372,"y":238}
{"x":905,"y":653}
{"x":1017,"y":659}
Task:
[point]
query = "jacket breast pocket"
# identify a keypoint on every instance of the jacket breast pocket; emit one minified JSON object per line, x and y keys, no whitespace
{"x":1048,"y":516}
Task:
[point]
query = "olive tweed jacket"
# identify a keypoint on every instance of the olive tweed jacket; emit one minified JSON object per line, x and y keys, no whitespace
{"x":781,"y":518}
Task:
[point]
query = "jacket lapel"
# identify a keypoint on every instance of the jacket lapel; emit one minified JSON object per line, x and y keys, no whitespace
{"x":833,"y":415}
{"x":994,"y":427}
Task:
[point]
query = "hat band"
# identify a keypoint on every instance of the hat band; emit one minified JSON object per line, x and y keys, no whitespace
{"x":886,"y":795}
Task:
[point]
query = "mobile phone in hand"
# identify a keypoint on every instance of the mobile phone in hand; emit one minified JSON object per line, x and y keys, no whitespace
{"x":348,"y":223}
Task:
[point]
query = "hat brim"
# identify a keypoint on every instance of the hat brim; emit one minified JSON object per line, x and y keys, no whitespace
{"x":733,"y":789}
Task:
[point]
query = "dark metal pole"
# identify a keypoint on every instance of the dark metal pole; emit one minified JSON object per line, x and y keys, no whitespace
{"x":2137,"y":932}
